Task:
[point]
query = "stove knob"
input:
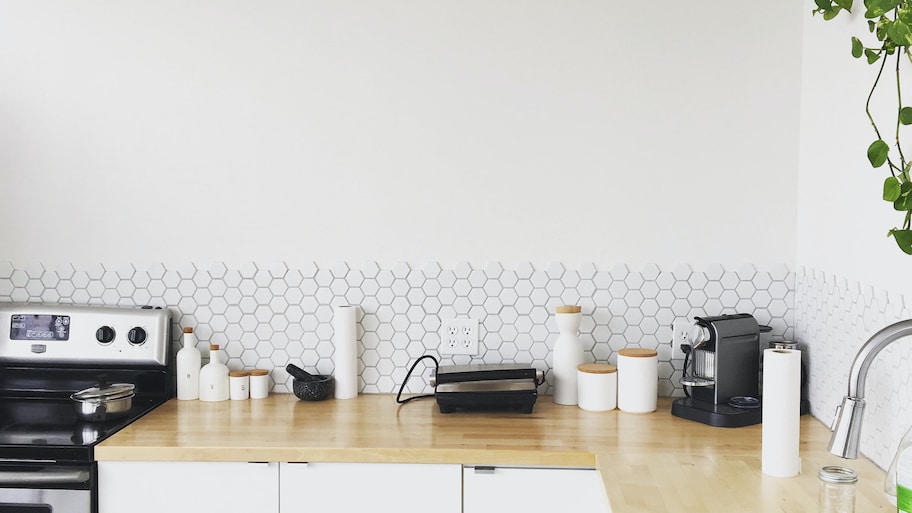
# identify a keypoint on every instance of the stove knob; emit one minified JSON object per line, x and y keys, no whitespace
{"x":136,"y":336}
{"x":105,"y":335}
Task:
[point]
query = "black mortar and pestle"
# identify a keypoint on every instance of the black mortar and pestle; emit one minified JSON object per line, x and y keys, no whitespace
{"x":310,"y":387}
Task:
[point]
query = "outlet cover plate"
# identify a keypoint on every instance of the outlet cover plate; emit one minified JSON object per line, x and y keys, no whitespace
{"x":680,"y":330}
{"x":459,"y":336}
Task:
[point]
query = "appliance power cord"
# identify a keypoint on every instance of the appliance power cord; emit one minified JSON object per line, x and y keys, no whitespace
{"x":407,"y":376}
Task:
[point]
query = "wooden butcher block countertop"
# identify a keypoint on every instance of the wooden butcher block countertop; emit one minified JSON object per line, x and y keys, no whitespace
{"x":649,"y":462}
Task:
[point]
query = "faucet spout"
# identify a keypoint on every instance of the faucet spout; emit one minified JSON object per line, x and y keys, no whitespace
{"x":847,"y":425}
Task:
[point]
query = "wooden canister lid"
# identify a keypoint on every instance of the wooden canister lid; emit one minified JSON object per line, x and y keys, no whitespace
{"x":597,"y":368}
{"x":188,"y":330}
{"x":239,"y":374}
{"x":213,"y":347}
{"x":569,"y":309}
{"x":638,"y":352}
{"x":259,"y":372}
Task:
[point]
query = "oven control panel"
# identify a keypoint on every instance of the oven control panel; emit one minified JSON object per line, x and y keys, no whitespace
{"x":69,"y":334}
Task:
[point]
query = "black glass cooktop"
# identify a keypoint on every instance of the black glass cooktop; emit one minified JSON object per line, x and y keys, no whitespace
{"x":48,"y":429}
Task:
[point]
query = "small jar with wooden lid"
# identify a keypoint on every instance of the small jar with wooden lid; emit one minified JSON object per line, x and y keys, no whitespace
{"x":259,"y":383}
{"x":638,"y":379}
{"x":239,"y":385}
{"x":597,"y":386}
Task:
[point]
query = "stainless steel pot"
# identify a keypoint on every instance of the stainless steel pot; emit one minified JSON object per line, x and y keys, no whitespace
{"x":103,"y":402}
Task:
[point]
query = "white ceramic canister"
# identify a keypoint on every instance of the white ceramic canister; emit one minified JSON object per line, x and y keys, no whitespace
{"x":597,"y":386}
{"x":239,"y":385}
{"x":259,"y":383}
{"x":567,"y":355}
{"x":638,"y":380}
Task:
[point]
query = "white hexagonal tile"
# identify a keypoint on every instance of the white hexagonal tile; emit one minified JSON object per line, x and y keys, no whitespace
{"x":602,"y":280}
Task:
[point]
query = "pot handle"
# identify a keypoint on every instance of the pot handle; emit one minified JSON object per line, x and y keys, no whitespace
{"x":101,"y":411}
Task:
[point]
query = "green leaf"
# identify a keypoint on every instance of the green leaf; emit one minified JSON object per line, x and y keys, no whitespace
{"x":891,"y":189}
{"x":871,"y":26}
{"x":872,"y":56}
{"x":845,"y":4}
{"x":903,"y":239}
{"x":823,"y":4}
{"x":904,"y":202}
{"x":857,"y":48}
{"x":900,"y":33}
{"x":878,"y":8}
{"x":877,"y":153}
{"x":905,"y":115}
{"x":829,"y":14}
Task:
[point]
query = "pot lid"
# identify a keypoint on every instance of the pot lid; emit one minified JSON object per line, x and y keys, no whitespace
{"x":107,"y":392}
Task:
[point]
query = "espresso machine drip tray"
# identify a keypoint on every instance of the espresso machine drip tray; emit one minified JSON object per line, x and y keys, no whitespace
{"x":719,"y":415}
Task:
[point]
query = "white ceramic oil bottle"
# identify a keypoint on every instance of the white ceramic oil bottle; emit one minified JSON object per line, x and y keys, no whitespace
{"x":188,"y":367}
{"x":567,"y":355}
{"x":213,"y":378}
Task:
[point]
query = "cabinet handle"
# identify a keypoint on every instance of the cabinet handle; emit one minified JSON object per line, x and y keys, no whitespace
{"x":484,"y":469}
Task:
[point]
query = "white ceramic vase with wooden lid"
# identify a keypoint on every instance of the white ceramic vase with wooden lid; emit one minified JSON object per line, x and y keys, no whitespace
{"x":567,"y":355}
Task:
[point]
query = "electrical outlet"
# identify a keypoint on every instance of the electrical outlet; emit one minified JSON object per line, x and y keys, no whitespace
{"x":680,"y":335}
{"x":459,"y":336}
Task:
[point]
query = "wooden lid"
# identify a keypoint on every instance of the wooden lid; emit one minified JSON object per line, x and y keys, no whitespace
{"x":637,"y":352}
{"x":188,"y":330}
{"x":213,"y":347}
{"x":597,"y":368}
{"x":569,"y":309}
{"x":259,"y":372}
{"x":239,"y":374}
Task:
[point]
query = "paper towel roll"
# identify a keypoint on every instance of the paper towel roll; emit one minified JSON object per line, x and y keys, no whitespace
{"x":781,"y":412}
{"x":345,"y":351}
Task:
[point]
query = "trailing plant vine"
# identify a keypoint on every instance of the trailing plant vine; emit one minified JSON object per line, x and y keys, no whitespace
{"x":891,"y":23}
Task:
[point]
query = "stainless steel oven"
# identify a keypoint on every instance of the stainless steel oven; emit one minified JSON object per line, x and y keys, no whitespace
{"x":46,"y":487}
{"x":47,"y":352}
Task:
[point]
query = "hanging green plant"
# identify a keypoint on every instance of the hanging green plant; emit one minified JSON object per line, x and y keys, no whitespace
{"x":891,"y":23}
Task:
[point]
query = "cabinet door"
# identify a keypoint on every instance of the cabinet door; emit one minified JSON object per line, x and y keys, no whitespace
{"x":399,"y":487}
{"x":499,"y":489}
{"x":187,"y":487}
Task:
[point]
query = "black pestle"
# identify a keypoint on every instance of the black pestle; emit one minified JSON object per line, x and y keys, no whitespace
{"x":299,"y":373}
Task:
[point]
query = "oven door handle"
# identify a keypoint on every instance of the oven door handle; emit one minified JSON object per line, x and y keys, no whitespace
{"x":45,"y":477}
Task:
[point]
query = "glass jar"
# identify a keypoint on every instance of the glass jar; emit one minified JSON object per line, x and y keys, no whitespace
{"x":836,"y":490}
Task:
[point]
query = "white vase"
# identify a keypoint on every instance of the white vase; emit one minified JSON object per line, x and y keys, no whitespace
{"x":567,"y":357}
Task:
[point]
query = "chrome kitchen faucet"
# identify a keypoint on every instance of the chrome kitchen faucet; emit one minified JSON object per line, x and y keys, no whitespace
{"x":847,"y":424}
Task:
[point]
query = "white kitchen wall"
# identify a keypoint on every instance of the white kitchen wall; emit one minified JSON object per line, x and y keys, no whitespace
{"x":354,"y":130}
{"x":852,"y":279}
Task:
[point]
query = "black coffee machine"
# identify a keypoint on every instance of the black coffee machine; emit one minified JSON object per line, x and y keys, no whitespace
{"x":721,"y":372}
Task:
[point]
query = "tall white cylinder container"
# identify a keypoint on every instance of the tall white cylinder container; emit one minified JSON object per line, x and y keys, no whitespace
{"x":345,"y":351}
{"x":781,"y":416}
{"x":566,"y":356}
{"x":638,"y":380}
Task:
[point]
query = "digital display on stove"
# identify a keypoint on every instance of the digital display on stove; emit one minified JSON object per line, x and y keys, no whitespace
{"x":39,"y":327}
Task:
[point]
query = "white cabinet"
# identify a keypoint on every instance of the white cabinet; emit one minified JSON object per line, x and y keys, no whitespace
{"x":394,"y":487}
{"x":219,"y":487}
{"x":187,"y":487}
{"x":499,"y":489}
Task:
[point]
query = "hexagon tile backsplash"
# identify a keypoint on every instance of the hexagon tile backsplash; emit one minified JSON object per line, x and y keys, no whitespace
{"x":834,"y":317}
{"x":267,"y":315}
